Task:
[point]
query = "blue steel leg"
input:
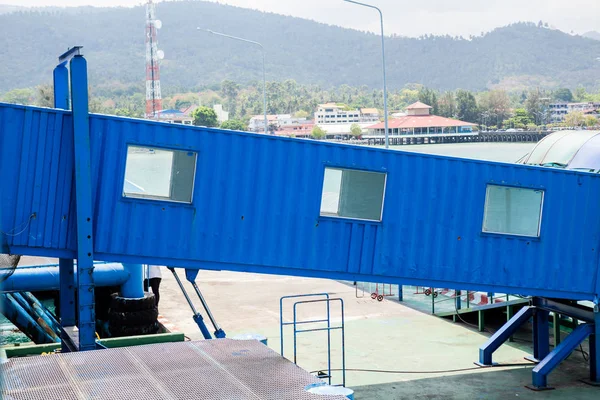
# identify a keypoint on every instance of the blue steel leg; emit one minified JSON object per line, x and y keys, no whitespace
{"x":560,"y":352}
{"x":61,"y":87}
{"x":67,"y":292}
{"x":83,"y":200}
{"x":458,"y":302}
{"x":502,"y":335}
{"x":541,"y":335}
{"x":400,"y":294}
{"x":594,"y":348}
{"x":328,"y":340}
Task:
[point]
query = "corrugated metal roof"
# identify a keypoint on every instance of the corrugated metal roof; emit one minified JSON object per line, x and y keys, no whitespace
{"x":420,"y":121}
{"x":256,"y":208}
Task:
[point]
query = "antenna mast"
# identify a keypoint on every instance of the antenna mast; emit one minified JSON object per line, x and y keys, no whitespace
{"x":153,"y":96}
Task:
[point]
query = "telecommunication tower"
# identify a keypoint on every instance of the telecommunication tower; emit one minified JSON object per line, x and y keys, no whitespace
{"x":153,"y":96}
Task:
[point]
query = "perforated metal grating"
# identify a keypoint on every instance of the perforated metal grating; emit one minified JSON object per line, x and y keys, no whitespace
{"x":222,"y":369}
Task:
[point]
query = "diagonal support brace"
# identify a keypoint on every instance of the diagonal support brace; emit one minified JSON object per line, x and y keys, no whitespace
{"x":560,"y":353}
{"x":502,"y":335}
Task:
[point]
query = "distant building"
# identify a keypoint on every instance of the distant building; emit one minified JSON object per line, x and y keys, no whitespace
{"x":276,"y":122}
{"x":300,"y":130}
{"x":175,"y":117}
{"x":222,"y":115}
{"x":420,"y":121}
{"x":558,"y":111}
{"x":332,"y":113}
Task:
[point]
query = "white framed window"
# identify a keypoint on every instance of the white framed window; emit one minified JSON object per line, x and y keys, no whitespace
{"x":351,"y":193}
{"x":513,"y":210}
{"x":159,"y":174}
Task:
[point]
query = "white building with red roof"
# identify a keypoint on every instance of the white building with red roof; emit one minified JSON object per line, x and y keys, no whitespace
{"x":420,"y":121}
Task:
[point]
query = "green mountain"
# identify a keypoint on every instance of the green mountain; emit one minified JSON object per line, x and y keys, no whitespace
{"x":515,"y":56}
{"x":592,"y":35}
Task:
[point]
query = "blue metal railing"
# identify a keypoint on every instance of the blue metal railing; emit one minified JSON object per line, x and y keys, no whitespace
{"x":296,"y":323}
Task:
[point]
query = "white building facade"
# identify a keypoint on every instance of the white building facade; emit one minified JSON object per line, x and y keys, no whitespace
{"x":332,"y":113}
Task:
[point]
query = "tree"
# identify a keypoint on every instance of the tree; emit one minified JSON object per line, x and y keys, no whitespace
{"x":19,"y":96}
{"x":230,"y":91}
{"x":301,"y":114}
{"x":429,"y":97}
{"x":534,"y":104}
{"x":563,"y":94}
{"x":466,"y":106}
{"x":318,"y":132}
{"x":355,"y":130}
{"x":447,"y":105}
{"x":521,"y":119}
{"x":205,"y":116}
{"x":496,"y":105}
{"x":574,"y":119}
{"x":44,"y":96}
{"x":590,"y":121}
{"x":234,"y":125}
{"x":580,"y":94}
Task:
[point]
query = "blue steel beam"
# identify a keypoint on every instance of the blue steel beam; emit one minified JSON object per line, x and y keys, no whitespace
{"x":502,"y":335}
{"x":567,"y":346}
{"x":83,"y":200}
{"x":61,"y":87}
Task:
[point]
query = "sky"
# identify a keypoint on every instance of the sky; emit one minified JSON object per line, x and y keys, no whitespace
{"x":408,"y":18}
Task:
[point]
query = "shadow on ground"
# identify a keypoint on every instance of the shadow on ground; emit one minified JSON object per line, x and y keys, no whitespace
{"x":489,"y":385}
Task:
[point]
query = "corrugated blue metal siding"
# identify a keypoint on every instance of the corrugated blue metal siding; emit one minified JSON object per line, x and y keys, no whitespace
{"x":256,"y":208}
{"x":36,"y":160}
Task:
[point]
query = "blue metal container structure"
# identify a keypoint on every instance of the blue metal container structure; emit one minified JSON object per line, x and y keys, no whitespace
{"x":256,"y":208}
{"x":253,"y":204}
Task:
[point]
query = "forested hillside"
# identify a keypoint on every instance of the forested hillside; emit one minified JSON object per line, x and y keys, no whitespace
{"x":517,"y":56}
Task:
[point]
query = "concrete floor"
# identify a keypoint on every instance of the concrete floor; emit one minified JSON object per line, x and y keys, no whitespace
{"x":379,"y":335}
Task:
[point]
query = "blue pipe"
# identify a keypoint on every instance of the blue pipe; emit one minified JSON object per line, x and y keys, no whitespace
{"x":32,"y":279}
{"x":134,"y":286}
{"x":41,"y":312}
{"x":22,"y":320}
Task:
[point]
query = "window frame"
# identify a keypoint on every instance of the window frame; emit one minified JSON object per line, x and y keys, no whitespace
{"x":513,"y":235}
{"x":332,"y":217}
{"x":154,"y":199}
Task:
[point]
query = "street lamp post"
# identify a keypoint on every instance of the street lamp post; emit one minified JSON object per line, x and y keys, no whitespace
{"x":385,"y":109}
{"x":263,"y":67}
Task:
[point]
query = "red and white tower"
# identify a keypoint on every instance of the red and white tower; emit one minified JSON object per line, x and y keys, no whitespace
{"x":153,"y":96}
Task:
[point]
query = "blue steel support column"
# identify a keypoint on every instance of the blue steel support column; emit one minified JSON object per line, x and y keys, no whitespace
{"x":595,"y":348}
{"x":541,"y":334}
{"x":66,"y":277}
{"x":83,"y":201}
{"x":67,"y":293}
{"x":134,"y":286}
{"x":61,"y":87}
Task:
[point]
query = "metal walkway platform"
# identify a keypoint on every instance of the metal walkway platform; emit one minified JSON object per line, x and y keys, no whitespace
{"x":211,"y":369}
